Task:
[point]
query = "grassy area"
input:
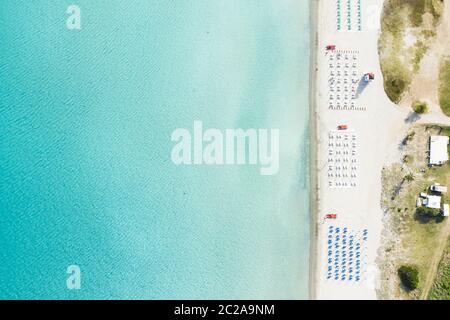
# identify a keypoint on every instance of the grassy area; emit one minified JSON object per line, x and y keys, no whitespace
{"x":397,"y":79}
{"x":419,"y":7}
{"x":441,"y":286}
{"x":416,"y":235}
{"x":412,"y":236}
{"x":396,"y":75}
{"x":444,"y":87}
{"x":400,"y":19}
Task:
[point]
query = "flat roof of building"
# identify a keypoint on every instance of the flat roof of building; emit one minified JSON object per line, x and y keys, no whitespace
{"x":434,"y":202}
{"x":438,"y":150}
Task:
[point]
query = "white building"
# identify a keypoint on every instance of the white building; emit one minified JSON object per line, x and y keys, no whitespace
{"x":433,"y":202}
{"x":438,"y":150}
{"x":446,"y":211}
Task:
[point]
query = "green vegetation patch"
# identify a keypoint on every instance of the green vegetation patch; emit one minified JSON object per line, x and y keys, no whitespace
{"x":444,"y":87}
{"x":428,"y":212}
{"x":441,"y":285}
{"x":420,"y":107}
{"x":402,"y":18}
{"x":417,"y":9}
{"x":409,"y":276}
{"x":419,"y":52}
{"x":397,"y":79}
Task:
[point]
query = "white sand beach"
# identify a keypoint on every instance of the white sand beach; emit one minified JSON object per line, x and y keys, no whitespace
{"x":376,"y":124}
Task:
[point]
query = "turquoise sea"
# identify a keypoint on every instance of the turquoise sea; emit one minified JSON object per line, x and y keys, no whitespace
{"x":85,"y":171}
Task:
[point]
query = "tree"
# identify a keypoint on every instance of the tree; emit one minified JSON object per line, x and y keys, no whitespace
{"x":409,"y":276}
{"x":409,"y":177}
{"x":428,"y":212}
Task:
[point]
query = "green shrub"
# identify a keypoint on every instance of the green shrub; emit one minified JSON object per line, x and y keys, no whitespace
{"x":395,"y":86}
{"x":409,"y":276}
{"x":420,"y":107}
{"x":428,"y":212}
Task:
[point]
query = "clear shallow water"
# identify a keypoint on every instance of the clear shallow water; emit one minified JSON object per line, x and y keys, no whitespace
{"x":86,"y":176}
